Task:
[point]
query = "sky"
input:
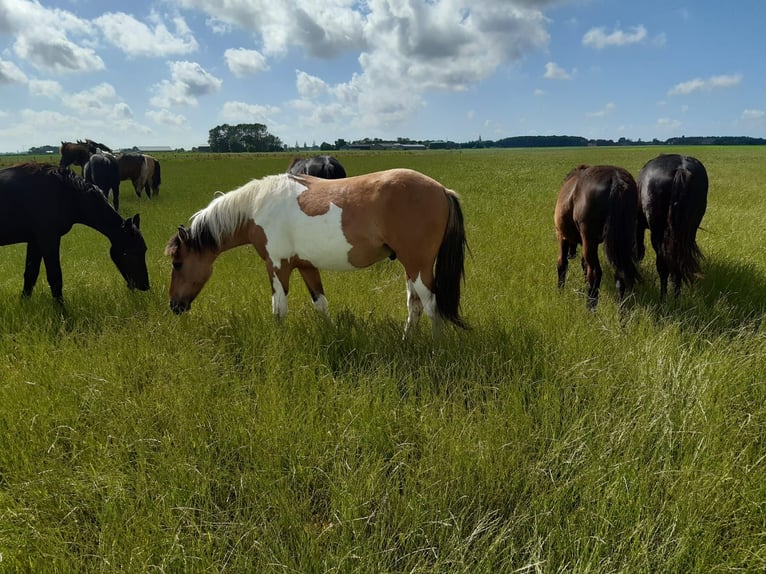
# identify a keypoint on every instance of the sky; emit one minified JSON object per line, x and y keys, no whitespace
{"x":165,"y":72}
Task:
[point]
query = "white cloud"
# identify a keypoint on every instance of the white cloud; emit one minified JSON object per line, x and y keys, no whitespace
{"x":605,"y":111}
{"x":404,"y":47}
{"x":697,"y":84}
{"x":555,"y":72}
{"x":668,"y":124}
{"x":599,"y":38}
{"x":137,"y":39}
{"x":241,"y":112}
{"x":244,"y":62}
{"x":47,"y":88}
{"x":42,"y":37}
{"x":188,"y":82}
{"x":167,"y":118}
{"x":10,"y":73}
{"x":751,"y":115}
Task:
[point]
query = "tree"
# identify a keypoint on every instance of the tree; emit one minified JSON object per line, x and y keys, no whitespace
{"x":243,"y":138}
{"x":326,"y":146}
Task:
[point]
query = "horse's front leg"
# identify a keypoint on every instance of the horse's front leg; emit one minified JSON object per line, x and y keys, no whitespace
{"x":31,"y":268}
{"x":280,"y":286}
{"x":313,"y":283}
{"x":562,"y":264}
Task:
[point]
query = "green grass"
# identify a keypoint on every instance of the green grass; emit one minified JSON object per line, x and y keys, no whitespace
{"x":545,"y":439}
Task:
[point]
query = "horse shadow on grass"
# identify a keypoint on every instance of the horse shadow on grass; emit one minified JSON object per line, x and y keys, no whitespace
{"x":730,"y":296}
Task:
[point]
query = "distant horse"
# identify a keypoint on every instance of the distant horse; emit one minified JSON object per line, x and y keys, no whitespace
{"x":673,"y":198}
{"x":134,"y":166}
{"x":79,"y":152}
{"x":324,"y":166}
{"x":102,"y":170}
{"x":76,"y":153}
{"x":153,"y":176}
{"x":598,"y":204}
{"x":309,"y":223}
{"x":42,"y":202}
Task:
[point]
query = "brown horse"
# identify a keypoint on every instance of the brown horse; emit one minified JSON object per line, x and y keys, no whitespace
{"x":309,"y":223}
{"x":598,"y":204}
{"x":76,"y":153}
{"x":134,"y":166}
{"x":673,"y":196}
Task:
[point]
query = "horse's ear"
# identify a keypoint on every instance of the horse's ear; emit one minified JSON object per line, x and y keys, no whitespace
{"x":137,"y":220}
{"x":183,"y":233}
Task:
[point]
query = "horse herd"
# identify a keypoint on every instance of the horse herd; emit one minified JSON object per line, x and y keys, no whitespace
{"x":313,"y":217}
{"x":104,"y":169}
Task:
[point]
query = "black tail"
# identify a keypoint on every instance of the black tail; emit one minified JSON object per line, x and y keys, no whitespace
{"x":621,"y":230}
{"x":450,"y":265}
{"x":156,"y":177}
{"x":684,"y":216}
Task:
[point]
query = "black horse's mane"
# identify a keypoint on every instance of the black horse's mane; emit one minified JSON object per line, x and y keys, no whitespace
{"x":66,"y":175}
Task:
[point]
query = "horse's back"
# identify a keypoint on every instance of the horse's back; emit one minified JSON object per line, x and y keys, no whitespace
{"x":673,"y":179}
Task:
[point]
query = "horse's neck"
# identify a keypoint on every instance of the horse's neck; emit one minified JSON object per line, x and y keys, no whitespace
{"x":99,"y":215}
{"x":241,"y":236}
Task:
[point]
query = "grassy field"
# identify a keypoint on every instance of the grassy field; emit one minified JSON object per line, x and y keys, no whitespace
{"x":545,"y":439}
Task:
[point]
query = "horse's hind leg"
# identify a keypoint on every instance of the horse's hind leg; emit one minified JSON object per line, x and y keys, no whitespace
{"x":31,"y":268}
{"x":53,"y":268}
{"x":414,"y":308}
{"x":592,"y":271}
{"x":426,"y":301}
{"x":562,"y":264}
{"x":663,"y":270}
{"x":314,"y":284}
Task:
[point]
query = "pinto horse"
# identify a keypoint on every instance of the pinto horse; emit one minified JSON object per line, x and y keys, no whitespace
{"x":598,"y":204}
{"x":309,"y":223}
{"x":103,"y":171}
{"x":673,"y":198}
{"x":42,"y":202}
{"x":324,"y":166}
{"x":134,"y":166}
{"x":153,"y":176}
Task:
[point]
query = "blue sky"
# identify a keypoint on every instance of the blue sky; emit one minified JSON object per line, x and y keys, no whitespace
{"x":166,"y":72}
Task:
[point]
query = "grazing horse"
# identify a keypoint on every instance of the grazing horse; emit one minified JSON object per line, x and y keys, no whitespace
{"x":309,"y":223}
{"x":42,"y":202}
{"x":673,"y":198}
{"x":598,"y":204}
{"x":133,"y":166}
{"x":103,"y":171}
{"x":153,"y":176}
{"x":324,"y":166}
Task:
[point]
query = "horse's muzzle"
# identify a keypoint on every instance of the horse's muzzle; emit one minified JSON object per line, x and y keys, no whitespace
{"x":179,"y":307}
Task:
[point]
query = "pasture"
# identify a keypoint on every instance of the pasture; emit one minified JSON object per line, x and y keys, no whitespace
{"x":545,"y":439}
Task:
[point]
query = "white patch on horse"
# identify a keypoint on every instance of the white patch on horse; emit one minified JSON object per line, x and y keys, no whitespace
{"x":290,"y":232}
{"x":322,"y":306}
{"x":278,"y":298}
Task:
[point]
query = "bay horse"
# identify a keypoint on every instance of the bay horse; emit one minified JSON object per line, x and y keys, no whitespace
{"x":673,"y":199}
{"x":42,"y":202}
{"x":79,"y":152}
{"x":308,"y":223}
{"x":102,"y":170}
{"x":324,"y":166}
{"x":134,"y":166}
{"x":598,"y":204}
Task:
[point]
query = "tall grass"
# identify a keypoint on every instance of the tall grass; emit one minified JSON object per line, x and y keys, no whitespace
{"x":546,"y":439}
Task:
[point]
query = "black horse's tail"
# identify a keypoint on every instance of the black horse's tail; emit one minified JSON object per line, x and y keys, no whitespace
{"x":156,"y":177}
{"x":450,"y":265}
{"x":680,"y":242}
{"x":621,"y":229}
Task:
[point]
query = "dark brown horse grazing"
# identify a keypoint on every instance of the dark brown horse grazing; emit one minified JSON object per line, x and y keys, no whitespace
{"x":673,"y":198}
{"x":324,"y":166}
{"x":153,"y":176}
{"x":308,"y":223}
{"x":598,"y":204}
{"x":41,"y":202}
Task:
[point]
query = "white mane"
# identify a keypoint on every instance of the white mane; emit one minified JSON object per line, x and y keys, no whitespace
{"x":229,"y":211}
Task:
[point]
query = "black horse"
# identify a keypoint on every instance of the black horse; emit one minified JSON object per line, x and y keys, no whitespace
{"x":324,"y":166}
{"x":41,"y":202}
{"x":103,"y":171}
{"x":598,"y":204}
{"x":673,"y":198}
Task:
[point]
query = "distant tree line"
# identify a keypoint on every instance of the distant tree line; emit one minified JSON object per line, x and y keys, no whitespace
{"x":243,"y":138}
